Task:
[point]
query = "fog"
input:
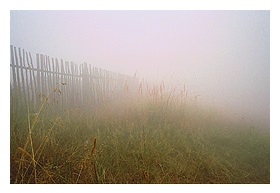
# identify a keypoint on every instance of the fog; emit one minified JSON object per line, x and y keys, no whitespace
{"x":224,"y":56}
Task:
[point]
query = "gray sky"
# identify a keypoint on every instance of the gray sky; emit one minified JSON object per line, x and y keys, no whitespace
{"x":221,"y":55}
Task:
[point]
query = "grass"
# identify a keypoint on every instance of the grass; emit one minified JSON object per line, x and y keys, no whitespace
{"x":148,"y":141}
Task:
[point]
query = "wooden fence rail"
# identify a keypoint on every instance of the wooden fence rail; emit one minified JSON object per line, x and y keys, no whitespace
{"x":63,"y":83}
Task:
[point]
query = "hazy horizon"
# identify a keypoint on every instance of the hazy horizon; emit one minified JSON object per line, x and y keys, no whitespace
{"x":224,"y":56}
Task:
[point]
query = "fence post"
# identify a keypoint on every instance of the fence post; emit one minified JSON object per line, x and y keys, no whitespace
{"x":14,"y":90}
{"x":85,"y":84}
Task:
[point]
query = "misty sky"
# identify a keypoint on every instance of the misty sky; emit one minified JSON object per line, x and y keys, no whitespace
{"x":222,"y":55}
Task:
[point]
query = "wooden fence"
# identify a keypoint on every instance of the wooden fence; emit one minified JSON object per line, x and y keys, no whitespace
{"x":63,"y":83}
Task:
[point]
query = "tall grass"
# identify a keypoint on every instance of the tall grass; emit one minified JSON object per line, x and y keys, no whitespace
{"x":161,"y":137}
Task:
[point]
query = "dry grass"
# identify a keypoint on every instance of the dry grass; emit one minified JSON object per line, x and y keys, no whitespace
{"x":163,"y":138}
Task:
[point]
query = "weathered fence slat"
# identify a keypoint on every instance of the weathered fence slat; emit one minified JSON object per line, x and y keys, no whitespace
{"x":26,"y":77}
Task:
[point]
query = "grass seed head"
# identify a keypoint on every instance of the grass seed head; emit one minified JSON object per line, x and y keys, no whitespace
{"x":94,"y":146}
